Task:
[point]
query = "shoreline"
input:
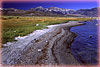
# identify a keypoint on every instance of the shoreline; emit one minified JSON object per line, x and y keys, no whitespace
{"x":47,"y":41}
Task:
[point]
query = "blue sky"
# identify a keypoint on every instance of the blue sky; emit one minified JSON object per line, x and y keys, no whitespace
{"x":69,"y":5}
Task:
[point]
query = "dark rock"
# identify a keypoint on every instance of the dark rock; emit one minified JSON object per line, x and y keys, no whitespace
{"x":90,"y":36}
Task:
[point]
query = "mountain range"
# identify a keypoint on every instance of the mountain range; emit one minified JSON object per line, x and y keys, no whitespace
{"x":51,"y":11}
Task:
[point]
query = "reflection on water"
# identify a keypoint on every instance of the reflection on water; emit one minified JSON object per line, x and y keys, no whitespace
{"x":85,"y":46}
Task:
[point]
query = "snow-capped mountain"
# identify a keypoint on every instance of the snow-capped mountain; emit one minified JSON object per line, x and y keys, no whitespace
{"x":54,"y":10}
{"x":51,"y":11}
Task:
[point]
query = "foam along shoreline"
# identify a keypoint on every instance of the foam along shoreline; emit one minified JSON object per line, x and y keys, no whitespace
{"x":48,"y":46}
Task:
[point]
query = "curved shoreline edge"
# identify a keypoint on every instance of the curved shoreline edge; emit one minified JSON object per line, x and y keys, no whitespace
{"x":43,"y":47}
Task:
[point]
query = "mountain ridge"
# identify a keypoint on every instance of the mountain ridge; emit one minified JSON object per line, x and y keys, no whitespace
{"x":51,"y":11}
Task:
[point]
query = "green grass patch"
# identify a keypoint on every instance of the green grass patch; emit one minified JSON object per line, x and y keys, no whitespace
{"x":14,"y":26}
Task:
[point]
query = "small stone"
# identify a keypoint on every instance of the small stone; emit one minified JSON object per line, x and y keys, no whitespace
{"x":14,"y":31}
{"x":90,"y":36}
{"x":96,"y":24}
{"x":46,"y":41}
{"x":35,"y":39}
{"x":37,"y":24}
{"x":39,"y":50}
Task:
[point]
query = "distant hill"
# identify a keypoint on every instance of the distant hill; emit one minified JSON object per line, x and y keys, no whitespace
{"x":93,"y":12}
{"x":51,"y":11}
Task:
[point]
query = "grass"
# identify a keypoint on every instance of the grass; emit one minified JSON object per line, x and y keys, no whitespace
{"x":14,"y":26}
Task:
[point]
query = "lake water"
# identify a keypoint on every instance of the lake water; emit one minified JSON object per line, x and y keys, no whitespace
{"x":85,"y":46}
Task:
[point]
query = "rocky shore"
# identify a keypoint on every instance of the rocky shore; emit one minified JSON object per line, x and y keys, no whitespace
{"x":42,"y":47}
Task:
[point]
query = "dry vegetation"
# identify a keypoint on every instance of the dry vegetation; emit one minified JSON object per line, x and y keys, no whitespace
{"x":14,"y":26}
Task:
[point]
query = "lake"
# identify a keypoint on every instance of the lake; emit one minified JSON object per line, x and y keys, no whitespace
{"x":85,"y":46}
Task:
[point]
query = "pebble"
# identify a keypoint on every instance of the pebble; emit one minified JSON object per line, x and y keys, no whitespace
{"x":39,"y":50}
{"x":90,"y":36}
{"x":14,"y":31}
{"x":46,"y":41}
{"x":37,"y":24}
{"x":96,"y":24}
